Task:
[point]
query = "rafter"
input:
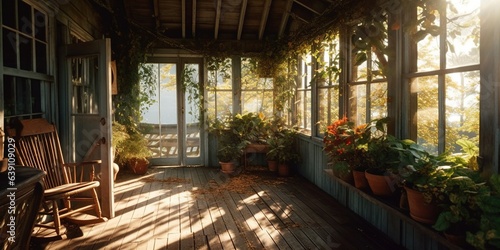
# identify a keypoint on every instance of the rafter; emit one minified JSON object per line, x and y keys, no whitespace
{"x":217,"y":18}
{"x":284,"y":19}
{"x":156,"y":13}
{"x":183,"y":6}
{"x":193,"y":26}
{"x":242,"y":18}
{"x":307,"y":7}
{"x":263,"y":21}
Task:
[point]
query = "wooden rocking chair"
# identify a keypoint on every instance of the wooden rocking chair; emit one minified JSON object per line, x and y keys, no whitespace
{"x":38,"y":146}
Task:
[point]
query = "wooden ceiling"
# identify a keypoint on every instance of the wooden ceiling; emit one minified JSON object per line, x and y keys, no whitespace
{"x":245,"y":25}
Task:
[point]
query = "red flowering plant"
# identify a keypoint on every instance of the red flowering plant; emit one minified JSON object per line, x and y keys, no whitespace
{"x":345,"y":146}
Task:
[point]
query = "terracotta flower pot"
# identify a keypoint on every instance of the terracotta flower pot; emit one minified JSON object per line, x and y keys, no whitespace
{"x":360,"y":181}
{"x":420,"y":210}
{"x":227,"y":167}
{"x":272,"y":165}
{"x":381,"y":184}
{"x":283,"y":169}
{"x":138,"y":165}
{"x":458,"y":240}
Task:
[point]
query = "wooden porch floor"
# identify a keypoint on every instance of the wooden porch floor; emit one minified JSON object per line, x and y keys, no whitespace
{"x":200,"y":208}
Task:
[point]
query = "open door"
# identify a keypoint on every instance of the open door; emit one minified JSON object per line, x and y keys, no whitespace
{"x":86,"y":110}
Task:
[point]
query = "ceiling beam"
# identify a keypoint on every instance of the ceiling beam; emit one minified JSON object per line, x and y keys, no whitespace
{"x":263,"y":20}
{"x":193,"y":27}
{"x":284,"y":19}
{"x":242,"y":18}
{"x":307,"y":7}
{"x":183,"y":10}
{"x":156,"y":13}
{"x":217,"y":18}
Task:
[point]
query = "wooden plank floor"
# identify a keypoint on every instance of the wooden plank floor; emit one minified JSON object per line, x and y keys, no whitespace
{"x":201,"y":208}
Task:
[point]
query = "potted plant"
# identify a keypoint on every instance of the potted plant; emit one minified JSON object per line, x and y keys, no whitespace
{"x":230,"y":144}
{"x":428,"y":180}
{"x":253,"y":128}
{"x":459,"y":207}
{"x":384,"y":159}
{"x":273,"y":143}
{"x":282,"y":150}
{"x":228,"y":153}
{"x":133,"y":152}
{"x":488,"y":234}
{"x":345,"y":147}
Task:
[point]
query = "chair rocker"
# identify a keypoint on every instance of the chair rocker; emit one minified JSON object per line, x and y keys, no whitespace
{"x":38,"y":146}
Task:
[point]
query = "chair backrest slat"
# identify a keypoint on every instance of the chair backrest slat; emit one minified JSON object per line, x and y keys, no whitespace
{"x":38,"y":146}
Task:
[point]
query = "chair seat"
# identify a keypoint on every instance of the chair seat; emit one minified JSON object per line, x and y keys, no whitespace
{"x":69,"y":189}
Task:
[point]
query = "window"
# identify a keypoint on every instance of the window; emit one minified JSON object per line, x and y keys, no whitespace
{"x":303,"y":103}
{"x":219,"y":89}
{"x":256,"y":92}
{"x":445,"y":80}
{"x":328,"y":84}
{"x":24,"y":53}
{"x":367,"y":82}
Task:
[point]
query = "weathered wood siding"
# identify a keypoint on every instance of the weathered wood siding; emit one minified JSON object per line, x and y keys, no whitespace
{"x":392,"y":221}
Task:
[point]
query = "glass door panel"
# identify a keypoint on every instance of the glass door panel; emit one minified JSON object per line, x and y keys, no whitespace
{"x":191,"y":81}
{"x":160,"y":119}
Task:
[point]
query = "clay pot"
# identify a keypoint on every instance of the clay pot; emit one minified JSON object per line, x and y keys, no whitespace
{"x":227,"y":167}
{"x":360,"y":181}
{"x":420,"y":210}
{"x":283,"y":169}
{"x":138,"y":165}
{"x":381,"y":184}
{"x":272,"y":165}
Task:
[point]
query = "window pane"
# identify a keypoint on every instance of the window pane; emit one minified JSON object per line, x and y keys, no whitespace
{"x":304,"y":111}
{"x":9,"y":13}
{"x":23,"y":96}
{"x":328,"y":99}
{"x":257,"y":101}
{"x":378,"y":100}
{"x":25,"y":21}
{"x":360,"y":72}
{"x":462,"y":108}
{"x":26,"y":52}
{"x":84,"y":75}
{"x":379,"y":61}
{"x":41,"y":57}
{"x":36,"y":93}
{"x":224,"y":103}
{"x":357,"y":102}
{"x":219,"y":95}
{"x":9,"y":40}
{"x":463,"y":33}
{"x":40,"y":26}
{"x":306,"y":72}
{"x":427,"y":46}
{"x":192,"y":140}
{"x":9,"y":93}
{"x":426,"y":90}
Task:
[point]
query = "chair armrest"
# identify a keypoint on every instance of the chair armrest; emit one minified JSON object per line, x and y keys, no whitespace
{"x":80,"y":171}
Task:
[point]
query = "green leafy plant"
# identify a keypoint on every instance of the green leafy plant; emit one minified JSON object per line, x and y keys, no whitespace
{"x":130,"y":145}
{"x":230,"y":145}
{"x":251,"y":127}
{"x":383,"y":149}
{"x":488,"y":235}
{"x":459,"y":208}
{"x":282,"y":146}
